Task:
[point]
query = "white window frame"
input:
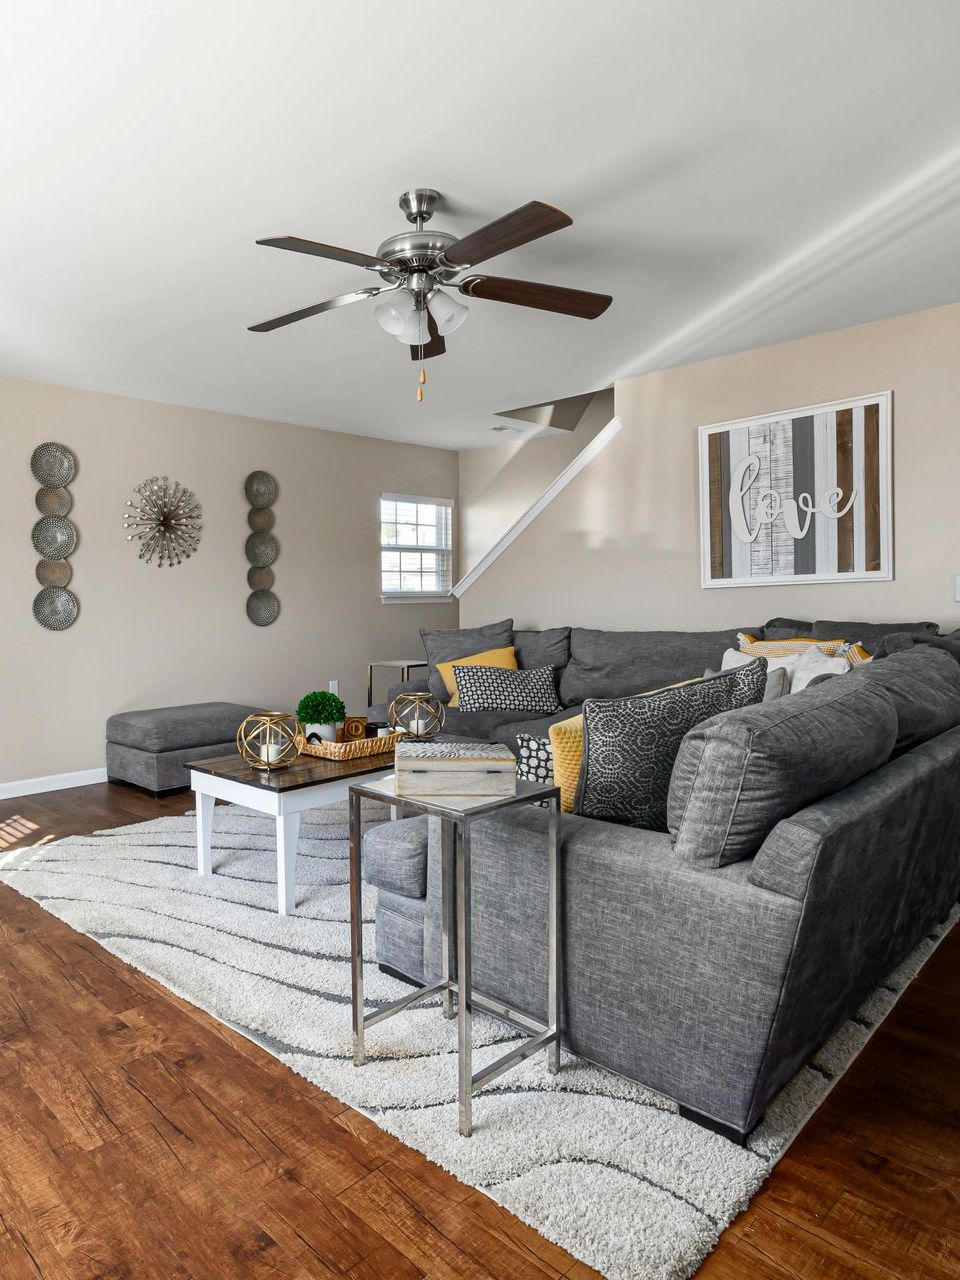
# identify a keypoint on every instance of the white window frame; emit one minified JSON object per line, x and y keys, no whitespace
{"x":418,"y":597}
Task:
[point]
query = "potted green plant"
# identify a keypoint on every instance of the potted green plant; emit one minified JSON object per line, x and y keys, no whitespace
{"x":320,"y":712}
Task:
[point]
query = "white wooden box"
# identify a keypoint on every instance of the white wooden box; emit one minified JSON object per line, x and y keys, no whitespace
{"x":454,"y":769}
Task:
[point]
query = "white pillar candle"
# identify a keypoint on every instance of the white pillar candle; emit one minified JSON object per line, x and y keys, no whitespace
{"x":419,"y":727}
{"x":270,"y":752}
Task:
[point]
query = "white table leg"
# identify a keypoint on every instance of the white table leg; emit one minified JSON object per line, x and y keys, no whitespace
{"x":288,"y":832}
{"x":205,"y":805}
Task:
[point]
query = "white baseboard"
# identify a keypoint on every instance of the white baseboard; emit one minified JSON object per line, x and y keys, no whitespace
{"x":52,"y":782}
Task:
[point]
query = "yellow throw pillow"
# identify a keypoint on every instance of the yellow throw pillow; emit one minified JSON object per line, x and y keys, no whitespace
{"x":505,"y":658}
{"x":566,"y":740}
{"x":786,"y":648}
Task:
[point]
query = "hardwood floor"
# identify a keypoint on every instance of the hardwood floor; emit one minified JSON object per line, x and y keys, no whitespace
{"x":139,"y":1138}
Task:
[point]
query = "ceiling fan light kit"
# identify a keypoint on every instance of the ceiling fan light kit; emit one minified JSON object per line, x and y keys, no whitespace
{"x":414,"y":264}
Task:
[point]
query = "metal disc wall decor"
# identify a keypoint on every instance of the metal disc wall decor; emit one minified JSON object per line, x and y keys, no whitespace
{"x":55,"y":608}
{"x":261,"y":519}
{"x":54,"y":502}
{"x":262,"y":608}
{"x":54,"y":537}
{"x":260,"y":488}
{"x":166,"y":519}
{"x":53,"y":465}
{"x":54,"y":573}
{"x":261,"y":548}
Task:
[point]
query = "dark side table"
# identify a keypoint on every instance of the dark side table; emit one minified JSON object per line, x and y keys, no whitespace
{"x":456,"y":814}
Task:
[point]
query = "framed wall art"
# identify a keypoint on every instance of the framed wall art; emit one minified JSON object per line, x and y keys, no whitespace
{"x":797,"y":497}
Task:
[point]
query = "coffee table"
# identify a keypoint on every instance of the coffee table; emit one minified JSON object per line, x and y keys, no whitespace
{"x":457,"y":814}
{"x":281,"y":793}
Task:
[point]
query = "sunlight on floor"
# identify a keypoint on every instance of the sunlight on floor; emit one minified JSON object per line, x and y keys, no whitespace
{"x":16,"y":829}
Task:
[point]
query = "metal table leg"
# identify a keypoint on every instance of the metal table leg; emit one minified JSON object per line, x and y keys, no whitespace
{"x":554,"y":942}
{"x":356,"y":926}
{"x":464,"y":980}
{"x":448,"y":837}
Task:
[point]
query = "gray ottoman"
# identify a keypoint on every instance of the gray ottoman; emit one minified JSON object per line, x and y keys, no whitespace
{"x":148,"y":749}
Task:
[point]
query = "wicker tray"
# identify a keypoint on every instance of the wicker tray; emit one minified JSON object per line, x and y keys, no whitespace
{"x":355,"y":750}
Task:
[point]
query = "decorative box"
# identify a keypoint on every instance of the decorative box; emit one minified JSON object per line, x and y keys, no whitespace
{"x":454,"y":769}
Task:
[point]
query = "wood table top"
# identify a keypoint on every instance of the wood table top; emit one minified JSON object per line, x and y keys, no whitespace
{"x":306,"y":771}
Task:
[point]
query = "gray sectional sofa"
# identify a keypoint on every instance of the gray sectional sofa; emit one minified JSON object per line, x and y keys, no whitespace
{"x":813,"y":841}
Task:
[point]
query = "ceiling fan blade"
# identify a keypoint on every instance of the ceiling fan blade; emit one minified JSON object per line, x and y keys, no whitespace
{"x":342,"y":300}
{"x":529,"y":222}
{"x":545,"y":297}
{"x":297,"y":245}
{"x":435,"y":347}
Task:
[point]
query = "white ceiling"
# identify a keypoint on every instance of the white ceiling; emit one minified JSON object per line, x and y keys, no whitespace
{"x":696,"y":143}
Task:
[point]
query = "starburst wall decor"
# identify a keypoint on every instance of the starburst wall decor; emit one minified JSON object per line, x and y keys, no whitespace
{"x":166,"y":519}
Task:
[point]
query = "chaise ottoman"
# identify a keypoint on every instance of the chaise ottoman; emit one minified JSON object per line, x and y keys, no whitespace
{"x":148,"y":749}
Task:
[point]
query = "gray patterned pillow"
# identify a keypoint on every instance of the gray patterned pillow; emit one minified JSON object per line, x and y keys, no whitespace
{"x":630,"y":744}
{"x":534,"y":761}
{"x":497,"y":689}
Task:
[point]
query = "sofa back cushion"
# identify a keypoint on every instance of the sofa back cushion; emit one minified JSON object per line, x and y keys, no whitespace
{"x":613,"y":664}
{"x":869,"y":633}
{"x":443,"y":644}
{"x":550,"y":648}
{"x":924,"y":684}
{"x":737,"y":775}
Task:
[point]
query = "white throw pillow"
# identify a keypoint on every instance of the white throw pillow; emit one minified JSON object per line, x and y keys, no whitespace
{"x":801,"y":668}
{"x":813,"y":664}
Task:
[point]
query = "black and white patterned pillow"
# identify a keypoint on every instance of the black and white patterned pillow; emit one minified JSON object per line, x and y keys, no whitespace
{"x":498,"y":689}
{"x":630,"y":744}
{"x":534,"y":761}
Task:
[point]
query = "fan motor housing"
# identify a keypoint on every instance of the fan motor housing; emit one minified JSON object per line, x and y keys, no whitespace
{"x":418,"y":251}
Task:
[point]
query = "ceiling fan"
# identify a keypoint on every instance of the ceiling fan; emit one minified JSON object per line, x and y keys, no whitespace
{"x":416,"y":263}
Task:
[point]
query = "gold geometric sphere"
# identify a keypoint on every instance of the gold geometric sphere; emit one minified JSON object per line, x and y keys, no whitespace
{"x":418,"y":715}
{"x":270,"y":739}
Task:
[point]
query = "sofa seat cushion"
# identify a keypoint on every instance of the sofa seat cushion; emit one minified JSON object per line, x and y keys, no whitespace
{"x":613,"y":664}
{"x":924,"y":684}
{"x":445,"y":644}
{"x":198,"y":724}
{"x":737,"y":775}
{"x":536,"y":726}
{"x":395,"y":857}
{"x":483,"y":726}
{"x":630,"y":744}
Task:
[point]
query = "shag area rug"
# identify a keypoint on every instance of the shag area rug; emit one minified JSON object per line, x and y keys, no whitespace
{"x":598,"y":1165}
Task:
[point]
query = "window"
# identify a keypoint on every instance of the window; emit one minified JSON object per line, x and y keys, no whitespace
{"x":416,"y":548}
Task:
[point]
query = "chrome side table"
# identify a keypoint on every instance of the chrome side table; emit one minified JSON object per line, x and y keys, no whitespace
{"x":456,"y":814}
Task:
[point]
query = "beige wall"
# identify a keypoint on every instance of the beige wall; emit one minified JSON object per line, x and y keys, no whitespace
{"x":619,"y":547}
{"x":147,"y":637}
{"x":505,"y":480}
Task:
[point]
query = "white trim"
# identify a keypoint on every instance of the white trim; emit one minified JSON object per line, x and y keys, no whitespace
{"x":416,"y":597}
{"x":883,"y":574}
{"x":586,"y":455}
{"x":416,"y":497}
{"x":52,"y":782}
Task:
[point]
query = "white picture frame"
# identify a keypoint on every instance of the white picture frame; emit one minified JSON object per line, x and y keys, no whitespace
{"x":774,"y":455}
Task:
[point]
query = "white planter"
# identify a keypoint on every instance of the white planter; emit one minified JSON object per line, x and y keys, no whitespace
{"x":328,"y":732}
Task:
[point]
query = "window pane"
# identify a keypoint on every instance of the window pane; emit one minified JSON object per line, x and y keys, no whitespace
{"x":407,"y":512}
{"x":390,"y":582}
{"x":428,"y":560}
{"x":407,"y":535}
{"x":388,"y":510}
{"x":426,"y":535}
{"x":388,"y":534}
{"x":430,"y":582}
{"x":410,"y":561}
{"x":390,"y":561}
{"x":410,"y":581}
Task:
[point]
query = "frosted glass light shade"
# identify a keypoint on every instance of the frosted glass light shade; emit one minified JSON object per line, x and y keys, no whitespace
{"x":448,"y":312}
{"x":415,"y":331}
{"x":393,"y":314}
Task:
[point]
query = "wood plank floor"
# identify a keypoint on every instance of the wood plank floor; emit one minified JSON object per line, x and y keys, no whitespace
{"x":139,"y":1138}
